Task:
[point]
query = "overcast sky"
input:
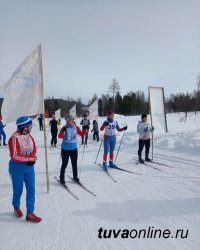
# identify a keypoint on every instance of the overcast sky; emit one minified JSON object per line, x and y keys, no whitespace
{"x":87,"y":43}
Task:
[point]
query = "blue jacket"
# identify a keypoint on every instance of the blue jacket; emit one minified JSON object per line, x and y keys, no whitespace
{"x":69,"y":135}
{"x":1,"y":126}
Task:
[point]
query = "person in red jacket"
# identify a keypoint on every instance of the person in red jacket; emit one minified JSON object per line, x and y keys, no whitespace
{"x":110,"y":126}
{"x":69,"y":147}
{"x":21,"y":167}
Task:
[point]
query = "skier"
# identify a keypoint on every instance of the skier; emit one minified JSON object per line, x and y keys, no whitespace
{"x":69,"y":147}
{"x":144,"y":129}
{"x":40,"y":119}
{"x":21,"y":167}
{"x":85,"y":122}
{"x":2,"y":133}
{"x":95,"y":130}
{"x":54,"y":130}
{"x":110,"y":125}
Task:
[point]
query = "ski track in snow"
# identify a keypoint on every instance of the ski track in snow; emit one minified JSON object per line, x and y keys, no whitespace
{"x":165,"y":199}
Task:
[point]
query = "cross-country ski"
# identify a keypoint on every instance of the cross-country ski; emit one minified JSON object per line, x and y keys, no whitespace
{"x":67,"y":188}
{"x":81,"y":185}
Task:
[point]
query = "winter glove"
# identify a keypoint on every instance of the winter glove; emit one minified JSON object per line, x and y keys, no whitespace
{"x":125,"y":128}
{"x":106,"y":123}
{"x":30,"y":163}
{"x":146,"y":129}
{"x":152,"y":128}
{"x":91,"y":131}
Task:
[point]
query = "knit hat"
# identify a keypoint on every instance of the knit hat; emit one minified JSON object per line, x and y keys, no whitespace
{"x":23,"y":122}
{"x":143,"y":115}
{"x":110,"y":112}
{"x":69,"y":118}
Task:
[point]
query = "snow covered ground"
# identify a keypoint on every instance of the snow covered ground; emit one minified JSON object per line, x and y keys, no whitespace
{"x":156,"y":196}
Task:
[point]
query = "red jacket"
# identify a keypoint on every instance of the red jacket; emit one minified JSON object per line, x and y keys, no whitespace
{"x":22,"y":147}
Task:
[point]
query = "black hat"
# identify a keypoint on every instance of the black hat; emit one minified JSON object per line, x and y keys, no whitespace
{"x":143,"y":115}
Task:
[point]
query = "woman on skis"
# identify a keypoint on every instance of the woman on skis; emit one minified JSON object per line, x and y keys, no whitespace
{"x":110,"y":126}
{"x":144,"y":129}
{"x":54,"y":130}
{"x":69,"y":147}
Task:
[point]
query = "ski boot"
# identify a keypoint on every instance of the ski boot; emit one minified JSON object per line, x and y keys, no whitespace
{"x":112,"y":165}
{"x":76,"y":179}
{"x":33,"y":218}
{"x":105,"y":166}
{"x":141,"y":160}
{"x":148,"y":159}
{"x":62,"y":179}
{"x":18,"y":212}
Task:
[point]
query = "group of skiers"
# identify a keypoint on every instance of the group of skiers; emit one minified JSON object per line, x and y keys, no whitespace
{"x":85,"y":122}
{"x":23,"y":152}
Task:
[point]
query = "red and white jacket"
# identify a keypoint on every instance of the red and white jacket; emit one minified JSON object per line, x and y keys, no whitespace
{"x":22,"y":147}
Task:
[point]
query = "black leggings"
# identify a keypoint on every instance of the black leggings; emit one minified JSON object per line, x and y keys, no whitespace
{"x":54,"y":137}
{"x":73,"y":154}
{"x":96,"y":135}
{"x":143,"y":143}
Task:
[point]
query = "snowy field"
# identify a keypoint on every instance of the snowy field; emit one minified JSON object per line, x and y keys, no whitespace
{"x":157,"y":196}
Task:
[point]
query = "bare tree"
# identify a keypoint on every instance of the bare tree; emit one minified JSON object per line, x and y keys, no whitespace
{"x":113,"y":89}
{"x":197,"y":94}
{"x":94,"y":98}
{"x":70,"y":98}
{"x":198,"y":83}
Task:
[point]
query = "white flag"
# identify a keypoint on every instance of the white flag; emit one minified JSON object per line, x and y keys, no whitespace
{"x":72,"y":111}
{"x":157,"y":108}
{"x":93,"y":111}
{"x":58,"y":114}
{"x":23,"y":93}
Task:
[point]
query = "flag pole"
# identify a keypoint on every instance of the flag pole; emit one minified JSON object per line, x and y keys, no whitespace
{"x":151,"y":121}
{"x":45,"y":138}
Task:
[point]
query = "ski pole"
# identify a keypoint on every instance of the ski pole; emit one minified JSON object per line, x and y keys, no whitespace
{"x":82,"y":160}
{"x":58,"y":137}
{"x":48,"y":131}
{"x":59,"y":160}
{"x":152,"y":145}
{"x":98,"y":151}
{"x":119,"y":146}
